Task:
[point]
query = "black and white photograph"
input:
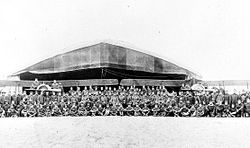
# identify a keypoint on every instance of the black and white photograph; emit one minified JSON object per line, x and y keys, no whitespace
{"x":124,"y":73}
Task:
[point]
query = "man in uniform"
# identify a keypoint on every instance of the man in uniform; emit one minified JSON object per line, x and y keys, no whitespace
{"x":220,"y":98}
{"x":14,"y":99}
{"x":8,"y":98}
{"x":54,"y":97}
{"x":200,"y":110}
{"x":227,"y":98}
{"x":233,"y":110}
{"x":208,"y":97}
{"x":65,"y":111}
{"x":24,"y":94}
{"x":32,"y":111}
{"x":11,"y":112}
{"x":107,"y":110}
{"x":234,"y":98}
{"x":66,"y":97}
{"x":113,"y":99}
{"x":184,"y":111}
{"x":190,"y":98}
{"x":84,"y":91}
{"x":155,"y":110}
{"x":239,"y":109}
{"x":129,"y":110}
{"x":113,"y":110}
{"x":121,"y":97}
{"x":55,"y":85}
{"x":219,"y":109}
{"x":78,"y":94}
{"x":73,"y":98}
{"x":48,"y":111}
{"x":137,"y":110}
{"x":56,"y":111}
{"x":35,"y":84}
{"x":47,"y":98}
{"x":226,"y":109}
{"x":94,"y":110}
{"x":247,"y":108}
{"x":24,"y":111}
{"x":41,"y":112}
{"x":71,"y":91}
{"x":2,"y":112}
{"x":19,"y":109}
{"x":2,"y":98}
{"x":6,"y":106}
{"x":145,"y":110}
{"x":31,"y":100}
{"x":78,"y":91}
{"x":169,"y":109}
{"x":35,"y":97}
{"x":194,"y":109}
{"x":73,"y":110}
{"x":101,"y":110}
{"x":120,"y":109}
{"x":211,"y":109}
{"x":81,"y":110}
{"x":40,"y":98}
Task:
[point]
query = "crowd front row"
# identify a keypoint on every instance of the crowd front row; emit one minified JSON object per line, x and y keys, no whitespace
{"x":125,"y":101}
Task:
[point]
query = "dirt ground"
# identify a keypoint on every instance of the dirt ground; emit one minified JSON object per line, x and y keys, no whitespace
{"x":124,"y":132}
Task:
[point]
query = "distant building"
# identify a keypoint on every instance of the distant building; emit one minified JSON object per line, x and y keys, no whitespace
{"x":230,"y":85}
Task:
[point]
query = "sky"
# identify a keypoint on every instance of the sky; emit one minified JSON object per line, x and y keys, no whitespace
{"x":209,"y":37}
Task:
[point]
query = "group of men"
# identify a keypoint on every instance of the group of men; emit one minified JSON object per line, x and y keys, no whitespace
{"x":125,"y":101}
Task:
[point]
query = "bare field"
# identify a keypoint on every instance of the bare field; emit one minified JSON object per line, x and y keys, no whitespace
{"x":124,"y":132}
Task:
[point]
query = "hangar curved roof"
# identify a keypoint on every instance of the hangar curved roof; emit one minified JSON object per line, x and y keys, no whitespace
{"x":105,"y":55}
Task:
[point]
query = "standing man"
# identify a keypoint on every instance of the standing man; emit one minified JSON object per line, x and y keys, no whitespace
{"x":234,"y":98}
{"x":55,"y":85}
{"x":8,"y":98}
{"x":35,"y":84}
{"x":71,"y":91}
{"x":2,"y":99}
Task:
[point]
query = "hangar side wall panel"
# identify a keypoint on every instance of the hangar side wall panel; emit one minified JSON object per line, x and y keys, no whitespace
{"x":122,"y":54}
{"x":139,"y":61}
{"x":95,"y":56}
{"x":162,"y":66}
{"x":117,"y":56}
{"x":112,"y":54}
{"x":47,"y":65}
{"x":104,"y":54}
{"x":75,"y":60}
